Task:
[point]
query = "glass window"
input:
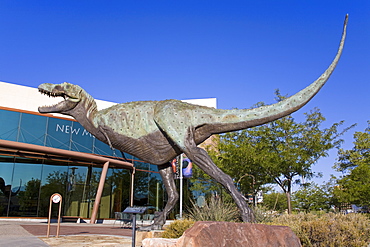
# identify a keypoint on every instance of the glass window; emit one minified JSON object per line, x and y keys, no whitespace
{"x":155,"y":193}
{"x":82,"y":140}
{"x":106,"y":203}
{"x":102,"y":148}
{"x":153,"y":168}
{"x":141,"y":165}
{"x":53,"y":180}
{"x":25,"y":188}
{"x":141,"y":188}
{"x":9,"y":121}
{"x":78,"y":191}
{"x":58,"y":133}
{"x":119,"y":180}
{"x":6,"y":171}
{"x":32,"y":129}
{"x":128,"y":156}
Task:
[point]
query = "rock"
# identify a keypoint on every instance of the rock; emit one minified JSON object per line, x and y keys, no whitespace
{"x":229,"y":234}
{"x":141,"y":235}
{"x":159,"y":242}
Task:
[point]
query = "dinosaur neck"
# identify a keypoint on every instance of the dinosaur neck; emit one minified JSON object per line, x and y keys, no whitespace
{"x":85,"y":113}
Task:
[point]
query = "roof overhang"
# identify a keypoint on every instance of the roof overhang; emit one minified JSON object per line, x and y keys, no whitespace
{"x":25,"y":150}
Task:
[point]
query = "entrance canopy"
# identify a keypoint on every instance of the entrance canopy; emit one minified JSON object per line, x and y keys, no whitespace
{"x":30,"y":151}
{"x":35,"y":152}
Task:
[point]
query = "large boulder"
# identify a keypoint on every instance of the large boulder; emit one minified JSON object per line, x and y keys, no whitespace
{"x":230,"y":234}
{"x":159,"y":242}
{"x":148,"y":236}
{"x":206,"y":233}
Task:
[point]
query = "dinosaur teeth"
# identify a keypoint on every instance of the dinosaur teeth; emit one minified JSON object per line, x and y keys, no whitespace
{"x":49,"y":94}
{"x":59,"y":94}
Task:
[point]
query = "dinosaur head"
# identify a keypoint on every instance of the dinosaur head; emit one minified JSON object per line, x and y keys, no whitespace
{"x":72,"y":94}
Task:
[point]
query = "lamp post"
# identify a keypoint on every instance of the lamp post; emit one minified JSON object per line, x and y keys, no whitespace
{"x":254,"y":182}
{"x":288,"y":193}
{"x":181,"y":185}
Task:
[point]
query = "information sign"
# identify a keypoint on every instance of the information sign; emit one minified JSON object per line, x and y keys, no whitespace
{"x":135,"y":210}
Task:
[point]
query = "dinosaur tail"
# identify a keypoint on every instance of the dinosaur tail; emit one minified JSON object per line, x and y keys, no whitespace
{"x":241,"y":119}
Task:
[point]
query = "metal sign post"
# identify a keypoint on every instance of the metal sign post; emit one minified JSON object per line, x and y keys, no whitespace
{"x":55,"y":198}
{"x":134,"y":211}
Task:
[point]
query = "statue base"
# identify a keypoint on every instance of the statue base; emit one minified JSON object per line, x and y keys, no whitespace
{"x":211,"y":234}
{"x":141,"y":235}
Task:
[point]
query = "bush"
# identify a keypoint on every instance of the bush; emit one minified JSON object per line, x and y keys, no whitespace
{"x":328,"y":229}
{"x":214,"y":210}
{"x":263,"y":215}
{"x":177,"y":228}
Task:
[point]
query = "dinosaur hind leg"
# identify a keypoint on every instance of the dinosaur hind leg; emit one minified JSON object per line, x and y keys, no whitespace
{"x":166,"y":173}
{"x":203,"y":161}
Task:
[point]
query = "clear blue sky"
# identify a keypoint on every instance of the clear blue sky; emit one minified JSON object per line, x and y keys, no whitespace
{"x":236,"y":51}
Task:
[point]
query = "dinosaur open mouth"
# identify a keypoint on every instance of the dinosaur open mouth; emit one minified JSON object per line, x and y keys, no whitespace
{"x":68,"y":102}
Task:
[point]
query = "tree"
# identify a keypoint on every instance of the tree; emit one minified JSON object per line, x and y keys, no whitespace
{"x":275,"y":201}
{"x":28,"y":197}
{"x":202,"y":184}
{"x":354,"y":187}
{"x":312,"y":197}
{"x":279,"y":151}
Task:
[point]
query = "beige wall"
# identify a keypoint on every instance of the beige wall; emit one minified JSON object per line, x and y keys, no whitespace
{"x":29,"y":99}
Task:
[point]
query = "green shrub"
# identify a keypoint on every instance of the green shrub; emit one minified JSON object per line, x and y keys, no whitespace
{"x":214,"y":210}
{"x":328,"y":229}
{"x":177,"y":228}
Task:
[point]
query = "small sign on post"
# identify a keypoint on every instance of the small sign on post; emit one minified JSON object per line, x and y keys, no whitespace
{"x":55,"y":198}
{"x":134,"y":211}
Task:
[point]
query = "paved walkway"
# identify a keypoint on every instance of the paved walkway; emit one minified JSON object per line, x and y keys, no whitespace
{"x":25,"y":233}
{"x":13,"y":234}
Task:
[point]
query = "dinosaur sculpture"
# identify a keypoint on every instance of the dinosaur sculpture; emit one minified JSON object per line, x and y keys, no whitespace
{"x":158,"y":131}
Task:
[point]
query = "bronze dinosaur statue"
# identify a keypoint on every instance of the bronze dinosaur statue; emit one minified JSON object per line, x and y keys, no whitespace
{"x":158,"y":131}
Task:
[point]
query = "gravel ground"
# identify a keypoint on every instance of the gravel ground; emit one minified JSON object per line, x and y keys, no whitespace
{"x":88,"y":240}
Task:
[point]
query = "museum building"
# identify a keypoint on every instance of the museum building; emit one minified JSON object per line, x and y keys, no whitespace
{"x":43,"y":154}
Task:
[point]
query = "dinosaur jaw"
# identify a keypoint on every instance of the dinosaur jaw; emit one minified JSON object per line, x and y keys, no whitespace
{"x":58,"y":108}
{"x":67,"y":104}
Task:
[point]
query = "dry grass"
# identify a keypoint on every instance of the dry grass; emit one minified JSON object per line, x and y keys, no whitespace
{"x":214,"y":210}
{"x":328,"y":229}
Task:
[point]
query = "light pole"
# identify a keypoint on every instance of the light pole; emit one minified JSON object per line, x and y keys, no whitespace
{"x":254,"y":182}
{"x":181,"y":185}
{"x":288,"y":193}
